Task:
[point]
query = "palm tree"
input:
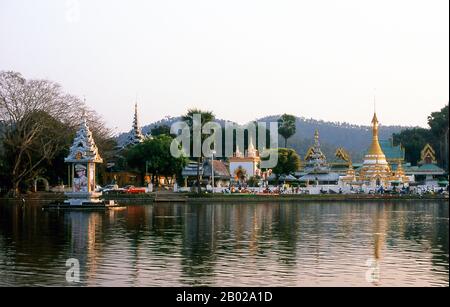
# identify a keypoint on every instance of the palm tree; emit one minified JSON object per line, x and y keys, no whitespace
{"x":286,"y":127}
{"x":206,"y":116}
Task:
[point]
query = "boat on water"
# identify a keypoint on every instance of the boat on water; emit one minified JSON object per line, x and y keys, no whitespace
{"x":99,"y":205}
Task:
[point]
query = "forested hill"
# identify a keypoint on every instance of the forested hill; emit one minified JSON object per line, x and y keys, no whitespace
{"x":355,"y":139}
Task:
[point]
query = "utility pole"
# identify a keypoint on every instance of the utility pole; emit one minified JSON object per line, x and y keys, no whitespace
{"x":212,"y":169}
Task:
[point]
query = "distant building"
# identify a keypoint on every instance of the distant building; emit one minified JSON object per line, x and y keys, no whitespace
{"x":427,"y":172}
{"x":221,"y":173}
{"x":245,"y":166}
{"x":317,"y":171}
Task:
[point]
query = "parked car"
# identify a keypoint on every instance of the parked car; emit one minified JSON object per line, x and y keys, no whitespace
{"x":131,"y":189}
{"x":110,"y":188}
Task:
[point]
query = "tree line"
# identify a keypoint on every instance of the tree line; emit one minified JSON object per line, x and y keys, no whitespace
{"x":38,"y":121}
{"x":414,"y":139}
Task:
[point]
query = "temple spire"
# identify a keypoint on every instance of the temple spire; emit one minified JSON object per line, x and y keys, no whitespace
{"x":316,"y":138}
{"x":251,"y":152}
{"x":136,"y":135}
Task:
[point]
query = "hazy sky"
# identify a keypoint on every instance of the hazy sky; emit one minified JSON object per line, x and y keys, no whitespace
{"x":241,"y":59}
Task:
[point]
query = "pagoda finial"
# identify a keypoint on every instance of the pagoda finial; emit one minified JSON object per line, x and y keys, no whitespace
{"x":316,"y":137}
{"x":375,"y":119}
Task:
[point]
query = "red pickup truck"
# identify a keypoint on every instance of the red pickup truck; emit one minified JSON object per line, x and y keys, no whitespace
{"x":131,"y":189}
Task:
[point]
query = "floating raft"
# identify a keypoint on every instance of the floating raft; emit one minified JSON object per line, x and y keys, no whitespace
{"x":102,"y":205}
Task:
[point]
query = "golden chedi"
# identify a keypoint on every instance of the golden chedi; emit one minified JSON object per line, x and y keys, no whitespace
{"x":375,"y":170}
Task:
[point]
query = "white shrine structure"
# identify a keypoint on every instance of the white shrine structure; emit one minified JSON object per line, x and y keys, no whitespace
{"x":82,"y":158}
{"x":245,"y":166}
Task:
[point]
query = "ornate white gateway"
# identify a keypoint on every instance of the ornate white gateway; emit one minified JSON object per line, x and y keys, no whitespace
{"x":82,"y":158}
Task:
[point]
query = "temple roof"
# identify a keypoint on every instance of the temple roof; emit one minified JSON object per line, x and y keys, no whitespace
{"x":136,"y":135}
{"x":316,"y":160}
{"x":392,"y":152}
{"x":83,"y":148}
{"x":220,"y":169}
{"x":425,"y":169}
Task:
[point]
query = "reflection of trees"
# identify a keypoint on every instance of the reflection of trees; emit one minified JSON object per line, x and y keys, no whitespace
{"x":195,"y":241}
{"x":439,"y":236}
{"x":31,"y":240}
{"x":198,"y":243}
{"x":286,"y":220}
{"x":425,"y":224}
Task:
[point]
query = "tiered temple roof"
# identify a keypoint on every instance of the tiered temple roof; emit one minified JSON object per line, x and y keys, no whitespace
{"x":84,"y":148}
{"x":317,"y":169}
{"x":136,"y":135}
{"x":316,"y":162}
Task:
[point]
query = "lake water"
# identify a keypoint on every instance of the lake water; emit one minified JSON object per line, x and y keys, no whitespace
{"x":267,"y":244}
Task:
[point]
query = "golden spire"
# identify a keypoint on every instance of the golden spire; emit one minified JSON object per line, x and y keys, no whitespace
{"x":375,"y":148}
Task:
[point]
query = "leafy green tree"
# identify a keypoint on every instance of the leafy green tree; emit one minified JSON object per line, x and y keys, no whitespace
{"x":154,"y":156}
{"x":37,"y":118}
{"x":160,"y":130}
{"x":286,"y":127}
{"x":438,"y":122}
{"x":413,"y":140}
{"x":288,"y":162}
{"x":206,"y":116}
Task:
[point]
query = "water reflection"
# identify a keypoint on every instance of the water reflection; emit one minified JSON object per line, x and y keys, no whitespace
{"x":265,"y":244}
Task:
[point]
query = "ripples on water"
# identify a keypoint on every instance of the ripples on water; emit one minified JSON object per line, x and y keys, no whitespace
{"x":269,"y":244}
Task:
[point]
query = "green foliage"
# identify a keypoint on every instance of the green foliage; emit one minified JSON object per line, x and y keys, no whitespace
{"x":253,"y":181}
{"x":160,"y":130}
{"x":413,"y":140}
{"x":286,"y":127}
{"x":288,"y":162}
{"x":438,"y":122}
{"x":416,"y":138}
{"x":206,"y":116}
{"x":154,"y":156}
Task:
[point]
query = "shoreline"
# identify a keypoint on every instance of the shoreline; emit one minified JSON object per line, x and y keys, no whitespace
{"x":233,"y":198}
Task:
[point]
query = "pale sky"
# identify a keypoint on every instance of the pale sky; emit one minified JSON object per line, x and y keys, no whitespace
{"x":242,"y":59}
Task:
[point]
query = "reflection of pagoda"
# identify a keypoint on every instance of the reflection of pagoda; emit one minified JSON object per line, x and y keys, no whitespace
{"x":316,"y":168}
